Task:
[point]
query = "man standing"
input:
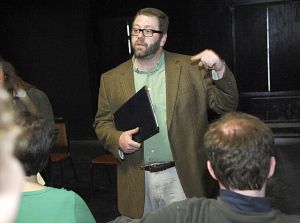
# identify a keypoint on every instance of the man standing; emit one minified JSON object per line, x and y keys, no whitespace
{"x":169,"y":166}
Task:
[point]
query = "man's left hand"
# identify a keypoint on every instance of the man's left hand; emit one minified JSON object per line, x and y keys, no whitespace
{"x":210,"y":60}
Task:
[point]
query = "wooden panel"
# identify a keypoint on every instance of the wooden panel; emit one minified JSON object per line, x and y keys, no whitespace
{"x":272,"y":107}
{"x":285,"y":46}
{"x":251,"y":50}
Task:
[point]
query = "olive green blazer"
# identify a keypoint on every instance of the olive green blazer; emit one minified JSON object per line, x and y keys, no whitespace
{"x":190,"y":93}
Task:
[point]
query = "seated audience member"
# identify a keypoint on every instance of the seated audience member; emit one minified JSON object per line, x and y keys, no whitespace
{"x":40,"y":203}
{"x":26,"y":96}
{"x":241,"y":158}
{"x":11,"y":173}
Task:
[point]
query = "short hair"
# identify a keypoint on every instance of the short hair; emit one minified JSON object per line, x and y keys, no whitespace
{"x":162,"y":17}
{"x":239,"y":147}
{"x":34,"y":145}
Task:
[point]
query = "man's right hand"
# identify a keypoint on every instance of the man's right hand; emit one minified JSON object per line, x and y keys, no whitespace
{"x":126,"y":144}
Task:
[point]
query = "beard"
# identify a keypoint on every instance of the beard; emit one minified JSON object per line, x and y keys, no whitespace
{"x":150,"y":50}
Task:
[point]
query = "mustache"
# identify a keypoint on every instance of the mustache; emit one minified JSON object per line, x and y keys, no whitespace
{"x":139,"y":43}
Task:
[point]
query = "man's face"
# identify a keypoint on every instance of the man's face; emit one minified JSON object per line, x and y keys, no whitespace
{"x":146,"y":46}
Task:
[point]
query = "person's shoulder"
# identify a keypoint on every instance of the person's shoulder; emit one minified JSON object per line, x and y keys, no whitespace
{"x":187,"y":210}
{"x":191,"y":204}
{"x":177,"y":58}
{"x":65,"y":194}
{"x":51,"y":192}
{"x":119,"y":68}
{"x":62,"y":192}
{"x":35,"y":91}
{"x":200,"y":202}
{"x":287,"y":218}
{"x":177,"y":55}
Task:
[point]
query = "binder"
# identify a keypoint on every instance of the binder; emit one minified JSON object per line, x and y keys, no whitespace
{"x":137,"y":112}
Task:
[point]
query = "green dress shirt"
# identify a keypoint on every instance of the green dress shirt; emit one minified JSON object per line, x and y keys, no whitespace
{"x":157,"y":148}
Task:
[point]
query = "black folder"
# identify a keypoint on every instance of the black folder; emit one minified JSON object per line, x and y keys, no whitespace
{"x":137,"y":112}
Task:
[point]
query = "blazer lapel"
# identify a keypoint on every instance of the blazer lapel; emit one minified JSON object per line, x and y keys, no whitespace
{"x":126,"y":81}
{"x":172,"y":81}
{"x":172,"y":70}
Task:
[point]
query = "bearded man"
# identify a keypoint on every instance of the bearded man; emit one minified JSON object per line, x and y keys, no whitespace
{"x":171,"y":165}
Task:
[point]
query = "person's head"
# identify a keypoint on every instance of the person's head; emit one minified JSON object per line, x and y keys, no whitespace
{"x":34,"y":144}
{"x":240,"y":151}
{"x":9,"y":78}
{"x":149,"y":32}
{"x":11,"y":173}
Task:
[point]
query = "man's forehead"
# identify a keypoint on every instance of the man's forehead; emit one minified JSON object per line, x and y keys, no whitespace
{"x":146,"y":21}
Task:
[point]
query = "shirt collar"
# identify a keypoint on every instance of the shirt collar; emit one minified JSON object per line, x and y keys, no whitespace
{"x":158,"y":66}
{"x":245,"y":203}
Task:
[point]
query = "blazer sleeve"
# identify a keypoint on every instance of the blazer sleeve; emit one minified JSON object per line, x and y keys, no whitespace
{"x":222,"y":94}
{"x":104,"y":124}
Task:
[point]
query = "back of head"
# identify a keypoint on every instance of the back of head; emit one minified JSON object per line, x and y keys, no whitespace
{"x":162,"y":17}
{"x":34,"y":144}
{"x":11,"y":80}
{"x":239,"y":147}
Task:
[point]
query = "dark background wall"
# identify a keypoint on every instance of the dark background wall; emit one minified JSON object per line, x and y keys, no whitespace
{"x":62,"y":47}
{"x":48,"y":43}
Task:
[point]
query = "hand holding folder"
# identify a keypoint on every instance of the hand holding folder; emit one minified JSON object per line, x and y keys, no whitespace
{"x":137,"y":112}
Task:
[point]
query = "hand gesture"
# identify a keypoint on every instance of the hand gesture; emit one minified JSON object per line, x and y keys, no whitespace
{"x":210,"y":60}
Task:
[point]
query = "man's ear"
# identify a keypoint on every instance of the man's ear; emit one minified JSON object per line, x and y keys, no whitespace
{"x":163,"y":39}
{"x":272,"y":166}
{"x":210,"y":170}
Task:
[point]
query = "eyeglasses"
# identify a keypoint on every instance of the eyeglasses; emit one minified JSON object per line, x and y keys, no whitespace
{"x":146,"y":32}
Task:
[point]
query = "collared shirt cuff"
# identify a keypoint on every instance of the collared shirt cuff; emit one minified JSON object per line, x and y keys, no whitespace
{"x":121,"y":154}
{"x":215,"y":75}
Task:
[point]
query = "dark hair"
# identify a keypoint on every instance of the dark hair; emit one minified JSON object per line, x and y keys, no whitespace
{"x":34,"y":144}
{"x":162,"y":17}
{"x":11,"y":80}
{"x":239,"y":147}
